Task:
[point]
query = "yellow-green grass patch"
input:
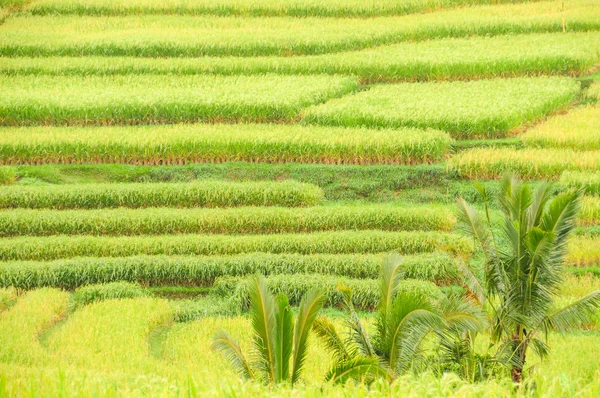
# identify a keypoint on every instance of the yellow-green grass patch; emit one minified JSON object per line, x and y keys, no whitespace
{"x":200,"y":143}
{"x":143,"y":99}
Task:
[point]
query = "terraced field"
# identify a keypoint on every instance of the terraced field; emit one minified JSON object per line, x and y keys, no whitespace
{"x":154,"y":154}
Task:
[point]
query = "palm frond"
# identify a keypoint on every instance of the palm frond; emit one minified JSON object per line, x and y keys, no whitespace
{"x":388,"y":286}
{"x":575,"y":313}
{"x":561,"y":215}
{"x":284,"y":321}
{"x":358,"y":335}
{"x":326,"y":331}
{"x":310,"y":306}
{"x":232,"y":353}
{"x":361,"y":369}
{"x":262,"y":314}
{"x":471,"y":281}
{"x":462,"y":315}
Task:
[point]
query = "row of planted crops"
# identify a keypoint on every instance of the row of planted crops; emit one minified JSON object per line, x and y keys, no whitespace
{"x":163,"y":151}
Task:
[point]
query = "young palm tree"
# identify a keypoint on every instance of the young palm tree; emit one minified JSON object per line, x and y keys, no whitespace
{"x":523,"y":268}
{"x":276,"y":340}
{"x":403,"y":321}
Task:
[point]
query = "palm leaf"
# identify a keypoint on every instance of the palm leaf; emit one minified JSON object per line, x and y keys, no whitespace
{"x":575,"y":313}
{"x":358,"y":335}
{"x":309,"y":308}
{"x":326,"y":331}
{"x":262,"y":313}
{"x":284,"y":321}
{"x":463,"y":316}
{"x":362,"y":369}
{"x":471,"y":281}
{"x":232,"y":353}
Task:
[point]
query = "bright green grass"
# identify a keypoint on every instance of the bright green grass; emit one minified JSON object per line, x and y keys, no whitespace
{"x":184,"y":143}
{"x":240,"y":220}
{"x":590,"y":211}
{"x":438,"y":267}
{"x":22,"y":324}
{"x":195,"y":36}
{"x":198,"y":194}
{"x":31,"y":100}
{"x":584,"y":251}
{"x":589,"y":181}
{"x":439,"y":59}
{"x":8,"y":295}
{"x":490,"y":163}
{"x":56,"y":247}
{"x":484,"y":108}
{"x":579,"y":129}
{"x":297,"y":8}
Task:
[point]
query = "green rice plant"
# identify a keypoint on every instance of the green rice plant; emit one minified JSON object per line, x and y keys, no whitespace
{"x":331,"y":242}
{"x":203,"y":307}
{"x":240,"y":220}
{"x":197,"y":194}
{"x":105,"y":291}
{"x":24,"y":322}
{"x":584,"y":251}
{"x":200,"y":143}
{"x":437,"y":267}
{"x":589,"y":181}
{"x":111,"y":334}
{"x":491,"y":163}
{"x":578,"y":129}
{"x":475,"y":109}
{"x":593,"y":92}
{"x":192,"y":36}
{"x":7,"y":175}
{"x":437,"y":59}
{"x":155,"y":99}
{"x":8,"y":295}
{"x":590,"y":211}
{"x":365,"y":292}
{"x":297,"y":8}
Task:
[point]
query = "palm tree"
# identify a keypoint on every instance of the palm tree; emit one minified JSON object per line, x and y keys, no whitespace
{"x":404,"y":320}
{"x":276,"y":339}
{"x":523,"y":268}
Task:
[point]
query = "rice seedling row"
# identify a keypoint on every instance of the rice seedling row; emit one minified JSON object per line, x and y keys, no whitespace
{"x":437,"y":267}
{"x":198,"y":194}
{"x":191,"y":36}
{"x":579,"y":129}
{"x":201,"y":143}
{"x":486,"y":163}
{"x":26,"y":248}
{"x":476,"y":109}
{"x":151,"y":99}
{"x":437,"y":59}
{"x":295,"y":8}
{"x":240,"y":220}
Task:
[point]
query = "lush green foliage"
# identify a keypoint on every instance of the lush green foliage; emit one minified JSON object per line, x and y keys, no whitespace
{"x":199,"y":194}
{"x":330,"y":242}
{"x":489,"y":163}
{"x":115,"y":290}
{"x":8,"y":296}
{"x":297,"y":8}
{"x":139,"y":99}
{"x":437,"y":59}
{"x":239,"y":220}
{"x":483,"y":108}
{"x":590,"y":211}
{"x":7,"y":175}
{"x":590,"y":182}
{"x":184,"y":144}
{"x":203,"y":270}
{"x":579,"y":129}
{"x":160,"y":36}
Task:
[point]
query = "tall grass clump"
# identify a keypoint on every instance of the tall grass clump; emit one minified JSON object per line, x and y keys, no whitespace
{"x":106,"y":291}
{"x":438,"y":267}
{"x":492,"y":163}
{"x":8,"y":295}
{"x":197,"y":194}
{"x":239,"y":220}
{"x":475,"y":109}
{"x":7,"y":175}
{"x":588,"y":181}
{"x":579,"y":129}
{"x":330,"y":242}
{"x":437,"y":59}
{"x":295,"y":8}
{"x":584,"y":251}
{"x":192,"y":36}
{"x":155,"y":99}
{"x":590,"y":211}
{"x":22,"y":324}
{"x":203,"y":143}
{"x":365,"y":292}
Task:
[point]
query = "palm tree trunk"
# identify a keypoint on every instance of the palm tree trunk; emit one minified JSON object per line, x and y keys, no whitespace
{"x":517,"y":374}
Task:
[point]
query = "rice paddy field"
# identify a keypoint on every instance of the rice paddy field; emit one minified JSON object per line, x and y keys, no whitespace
{"x":155,"y":154}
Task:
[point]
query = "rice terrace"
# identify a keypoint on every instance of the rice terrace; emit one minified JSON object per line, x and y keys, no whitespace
{"x":337,"y":198}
